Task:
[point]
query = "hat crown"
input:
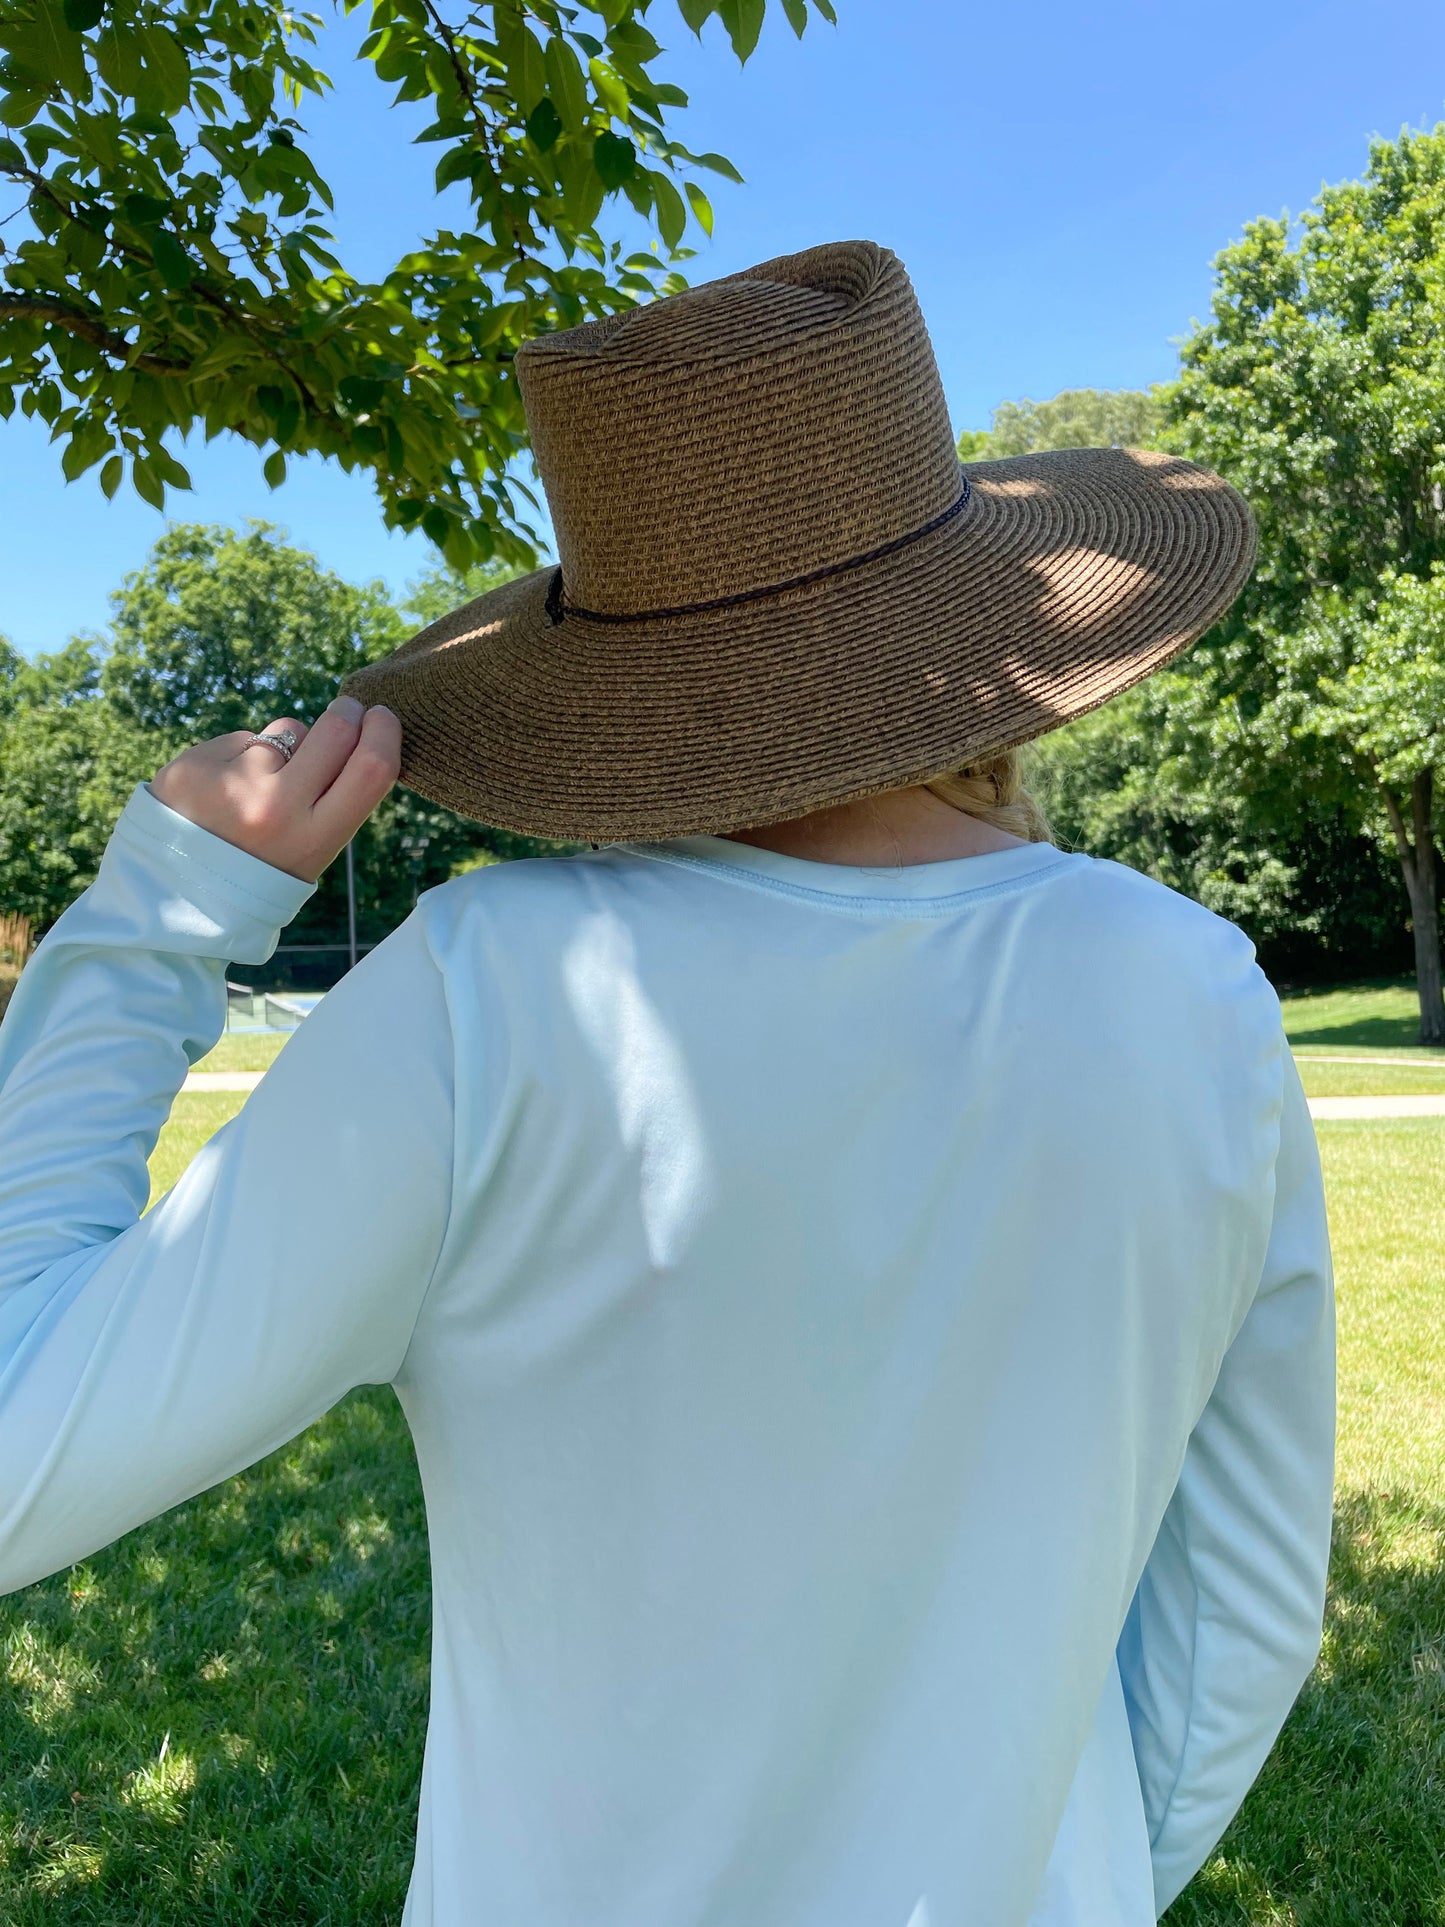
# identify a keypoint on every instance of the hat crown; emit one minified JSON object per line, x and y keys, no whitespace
{"x":741,"y":434}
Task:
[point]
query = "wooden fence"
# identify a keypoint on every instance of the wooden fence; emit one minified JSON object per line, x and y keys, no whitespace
{"x":14,"y":936}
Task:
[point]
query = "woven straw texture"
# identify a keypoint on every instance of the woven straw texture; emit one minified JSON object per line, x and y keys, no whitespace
{"x":777,"y":442}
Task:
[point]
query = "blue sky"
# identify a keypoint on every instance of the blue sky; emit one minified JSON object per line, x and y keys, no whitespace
{"x":1056,"y":177}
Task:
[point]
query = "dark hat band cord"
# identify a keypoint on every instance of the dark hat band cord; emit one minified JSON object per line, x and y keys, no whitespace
{"x":559,"y":606}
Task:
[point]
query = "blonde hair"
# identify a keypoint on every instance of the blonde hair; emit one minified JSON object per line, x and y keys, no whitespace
{"x":995,"y":789}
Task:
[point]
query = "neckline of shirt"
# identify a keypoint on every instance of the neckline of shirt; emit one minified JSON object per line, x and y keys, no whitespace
{"x":914,"y":884}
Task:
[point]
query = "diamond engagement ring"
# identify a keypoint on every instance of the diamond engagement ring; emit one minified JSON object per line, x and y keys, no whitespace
{"x":283,"y":739}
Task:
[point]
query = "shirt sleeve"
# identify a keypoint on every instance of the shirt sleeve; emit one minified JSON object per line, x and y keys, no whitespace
{"x":1225,"y":1624}
{"x":145,"y":1358}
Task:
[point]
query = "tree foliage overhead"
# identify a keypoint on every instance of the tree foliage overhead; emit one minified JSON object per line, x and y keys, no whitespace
{"x":180,"y":271}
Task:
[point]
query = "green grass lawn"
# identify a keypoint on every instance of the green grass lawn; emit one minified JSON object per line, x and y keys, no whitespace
{"x":1333,"y":1079}
{"x":219,"y":1720}
{"x":244,"y":1050}
{"x":1383,"y":1015}
{"x":1346,"y":1825}
{"x":195,"y":1116}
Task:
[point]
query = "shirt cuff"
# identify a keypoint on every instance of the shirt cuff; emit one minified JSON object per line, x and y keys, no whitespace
{"x":247,"y":900}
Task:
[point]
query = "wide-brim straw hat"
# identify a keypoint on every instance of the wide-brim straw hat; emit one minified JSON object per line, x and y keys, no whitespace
{"x":779,"y":587}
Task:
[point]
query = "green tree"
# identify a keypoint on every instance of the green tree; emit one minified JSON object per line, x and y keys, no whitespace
{"x":11,"y":663}
{"x":224,"y":630}
{"x":220,"y":630}
{"x":1317,"y":386}
{"x":179,"y":270}
{"x":1286,"y":852}
{"x":58,"y":770}
{"x":440,"y":589}
{"x":1076,"y":418}
{"x":1134,"y":781}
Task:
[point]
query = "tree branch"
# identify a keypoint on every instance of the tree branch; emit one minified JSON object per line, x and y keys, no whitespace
{"x":468,"y":90}
{"x":92,"y":329}
{"x":85,"y":326}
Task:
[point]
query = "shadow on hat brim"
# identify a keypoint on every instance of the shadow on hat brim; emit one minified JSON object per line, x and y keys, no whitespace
{"x":1068,"y":577}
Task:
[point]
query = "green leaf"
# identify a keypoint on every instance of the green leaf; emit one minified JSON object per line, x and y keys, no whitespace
{"x":720,"y":164}
{"x":117,"y":55}
{"x":19,"y":107}
{"x":797,"y":12}
{"x":582,"y":192}
{"x":448,"y":127}
{"x":169,"y":469}
{"x":83,"y":245}
{"x":148,"y":485}
{"x":695,"y":12}
{"x":610,"y":90}
{"x":274,"y":469}
{"x":170,"y":257}
{"x":565,"y":84}
{"x":87,"y":444}
{"x":612,"y":11}
{"x":48,"y":50}
{"x":11,"y":154}
{"x":281,"y":409}
{"x":743,"y":20}
{"x":111,"y":476}
{"x":825,"y":7}
{"x":82,"y":15}
{"x":544,"y":124}
{"x":144,"y":210}
{"x":614,"y":159}
{"x":359,"y":392}
{"x":671,"y":210}
{"x":701,"y":207}
{"x":521,"y":53}
{"x":633,"y":37}
{"x":102,"y":133}
{"x":165,"y":72}
{"x":459,"y":163}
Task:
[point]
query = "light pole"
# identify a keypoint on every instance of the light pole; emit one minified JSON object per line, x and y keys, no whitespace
{"x":351,"y":904}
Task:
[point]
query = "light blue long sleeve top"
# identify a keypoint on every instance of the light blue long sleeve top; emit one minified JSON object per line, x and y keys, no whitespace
{"x":867,"y":1335}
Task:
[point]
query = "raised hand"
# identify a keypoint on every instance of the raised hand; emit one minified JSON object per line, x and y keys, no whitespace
{"x":296,"y":813}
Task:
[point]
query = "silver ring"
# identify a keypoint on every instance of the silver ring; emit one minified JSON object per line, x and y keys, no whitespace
{"x":283,"y":739}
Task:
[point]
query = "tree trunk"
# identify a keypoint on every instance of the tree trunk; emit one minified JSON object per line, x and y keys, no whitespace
{"x":1422,"y":885}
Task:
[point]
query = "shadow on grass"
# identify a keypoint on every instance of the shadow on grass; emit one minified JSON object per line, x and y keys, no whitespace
{"x":1376,"y":1013}
{"x":1345,"y":1827}
{"x":220,"y":1719}
{"x":1370,"y":1033}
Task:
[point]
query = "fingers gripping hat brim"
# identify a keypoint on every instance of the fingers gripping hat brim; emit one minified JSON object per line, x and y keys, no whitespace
{"x":1065,"y":579}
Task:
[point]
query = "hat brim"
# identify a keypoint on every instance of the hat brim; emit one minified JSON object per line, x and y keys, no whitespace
{"x":1069,"y":577}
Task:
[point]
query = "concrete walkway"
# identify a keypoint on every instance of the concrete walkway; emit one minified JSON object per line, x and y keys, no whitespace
{"x":1420,"y":1106}
{"x":1406,"y":1063}
{"x":222,"y":1080}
